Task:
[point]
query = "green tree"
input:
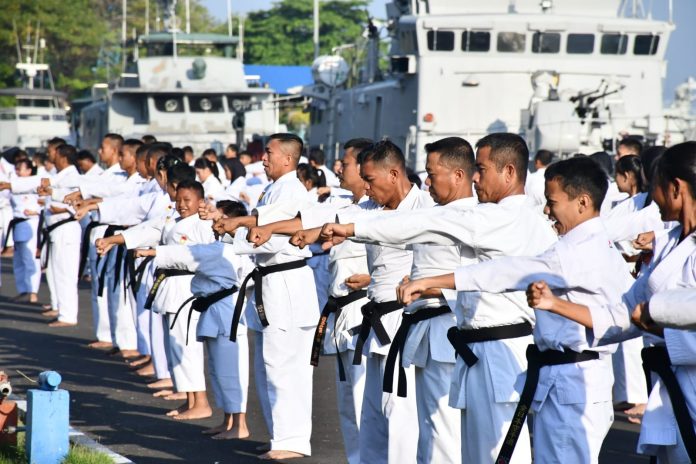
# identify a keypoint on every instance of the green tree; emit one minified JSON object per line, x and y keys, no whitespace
{"x":283,"y":34}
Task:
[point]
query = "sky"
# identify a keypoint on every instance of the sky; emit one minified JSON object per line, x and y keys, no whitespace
{"x":681,"y":58}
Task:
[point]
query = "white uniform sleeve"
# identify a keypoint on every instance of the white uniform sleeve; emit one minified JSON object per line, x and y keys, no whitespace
{"x":146,"y":234}
{"x":124,"y":210}
{"x":674,"y":308}
{"x":29,"y":184}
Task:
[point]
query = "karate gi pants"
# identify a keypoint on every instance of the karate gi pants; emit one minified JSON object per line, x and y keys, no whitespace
{"x":439,"y":425}
{"x":121,"y":312}
{"x":186,"y":361}
{"x":142,"y":318}
{"x":284,"y":384}
{"x":62,"y":269}
{"x":228,"y":366}
{"x":388,"y":423}
{"x":570,"y":433}
{"x":27,"y":268}
{"x":100,"y":304}
{"x":159,"y":337}
{"x":350,"y":397}
{"x":629,"y":377}
{"x":486,"y":421}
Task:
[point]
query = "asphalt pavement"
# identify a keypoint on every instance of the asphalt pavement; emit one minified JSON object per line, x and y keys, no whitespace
{"x":113,"y":406}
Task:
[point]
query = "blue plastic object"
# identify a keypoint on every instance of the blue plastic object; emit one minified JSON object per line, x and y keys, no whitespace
{"x":48,"y":412}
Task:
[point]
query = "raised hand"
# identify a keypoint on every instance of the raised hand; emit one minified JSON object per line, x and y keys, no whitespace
{"x":208,"y":212}
{"x":358,"y":281}
{"x":258,"y":235}
{"x":336,"y":233}
{"x":641,"y":318}
{"x":303,"y":238}
{"x":72,"y":197}
{"x":410,"y":290}
{"x":103,"y":245}
{"x":145,"y":252}
{"x":644,"y":241}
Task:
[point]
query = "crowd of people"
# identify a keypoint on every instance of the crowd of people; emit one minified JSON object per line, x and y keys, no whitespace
{"x":453,"y":305}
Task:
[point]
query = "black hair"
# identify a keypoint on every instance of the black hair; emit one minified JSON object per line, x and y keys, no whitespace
{"x":358,"y":144}
{"x":162,"y":150}
{"x":142,"y":151}
{"x":148,"y":139}
{"x":235,"y":167}
{"x":545,"y":157}
{"x":27,"y":163}
{"x":67,"y":151}
{"x":180,"y":172}
{"x":507,"y":148}
{"x":316,"y":155}
{"x":209,"y":151}
{"x":86,"y":155}
{"x":135,"y":143}
{"x":381,"y":152}
{"x":580,"y":175}
{"x":290,"y":139}
{"x":244,"y":153}
{"x":178,"y":152}
{"x":678,"y":162}
{"x":19,"y":155}
{"x":604,"y":160}
{"x":234,"y":147}
{"x":191,"y":185}
{"x":188,"y":148}
{"x":167,"y":161}
{"x":39,"y":158}
{"x":648,"y":158}
{"x":232,"y":208}
{"x":414,"y":179}
{"x":632,"y":164}
{"x":203,"y":163}
{"x":455,"y":153}
{"x":59,"y":141}
{"x":115,"y":138}
{"x":312,"y":174}
{"x":633,"y":144}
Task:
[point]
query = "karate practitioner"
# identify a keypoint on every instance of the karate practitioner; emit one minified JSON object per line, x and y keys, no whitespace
{"x":349,"y":276}
{"x":288,"y":312}
{"x":494,"y":328}
{"x":668,"y":424}
{"x":24,"y":230}
{"x":218,"y":275}
{"x":571,"y":374}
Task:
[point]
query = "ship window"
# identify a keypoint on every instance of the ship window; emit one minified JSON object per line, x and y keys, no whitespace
{"x":476,"y":41}
{"x":59,"y":117}
{"x":169,"y":103}
{"x":613,"y":44}
{"x":34,"y":117}
{"x":8,"y":117}
{"x":205,"y":103}
{"x":646,"y":44}
{"x":441,"y":40}
{"x":546,"y":42}
{"x":580,"y":43}
{"x":511,"y":42}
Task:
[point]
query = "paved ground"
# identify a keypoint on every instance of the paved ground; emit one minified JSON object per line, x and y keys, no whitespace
{"x":113,"y":406}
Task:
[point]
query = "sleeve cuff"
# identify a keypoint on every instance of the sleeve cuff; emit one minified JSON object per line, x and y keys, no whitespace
{"x":463,"y":279}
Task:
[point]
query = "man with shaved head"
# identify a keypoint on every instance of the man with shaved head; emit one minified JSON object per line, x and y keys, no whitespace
{"x":286,"y":309}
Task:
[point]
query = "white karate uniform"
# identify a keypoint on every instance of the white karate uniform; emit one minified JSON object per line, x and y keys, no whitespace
{"x":673,"y":266}
{"x":213,"y":188}
{"x":383,"y":437}
{"x":7,"y":173}
{"x":674,"y":308}
{"x":217,"y":268}
{"x":486,"y":393}
{"x":572,"y":403}
{"x":534,"y":187}
{"x":27,"y":267}
{"x":282,"y":350}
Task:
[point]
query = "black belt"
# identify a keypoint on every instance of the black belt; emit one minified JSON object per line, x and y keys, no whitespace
{"x":333,"y":305}
{"x":84,"y":248}
{"x":257,"y":274}
{"x":656,"y":359}
{"x":372,"y":313}
{"x":460,"y":338}
{"x":160,"y":275}
{"x":45,"y":241}
{"x":535,"y":361}
{"x":397,"y":346}
{"x":201,"y":304}
{"x":10,"y":229}
{"x":136,"y":275}
{"x":109,"y":232}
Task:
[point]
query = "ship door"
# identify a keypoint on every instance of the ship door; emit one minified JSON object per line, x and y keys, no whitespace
{"x":378,"y":119}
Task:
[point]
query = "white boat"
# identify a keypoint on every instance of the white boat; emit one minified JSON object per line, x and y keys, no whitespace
{"x":568,"y":75}
{"x":187,"y":89}
{"x":38,"y":113}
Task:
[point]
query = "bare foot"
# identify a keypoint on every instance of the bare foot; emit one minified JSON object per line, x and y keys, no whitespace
{"x":275,"y":455}
{"x":33,"y":298}
{"x":196,"y":412}
{"x":99,"y":345}
{"x":176,"y":396}
{"x":160,"y":393}
{"x":141,"y":361}
{"x":126,"y":354}
{"x":233,"y":434}
{"x":161,"y":383}
{"x":177,"y":411}
{"x":146,"y":371}
{"x":635,"y":414}
{"x":58,"y":323}
{"x":50,"y":313}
